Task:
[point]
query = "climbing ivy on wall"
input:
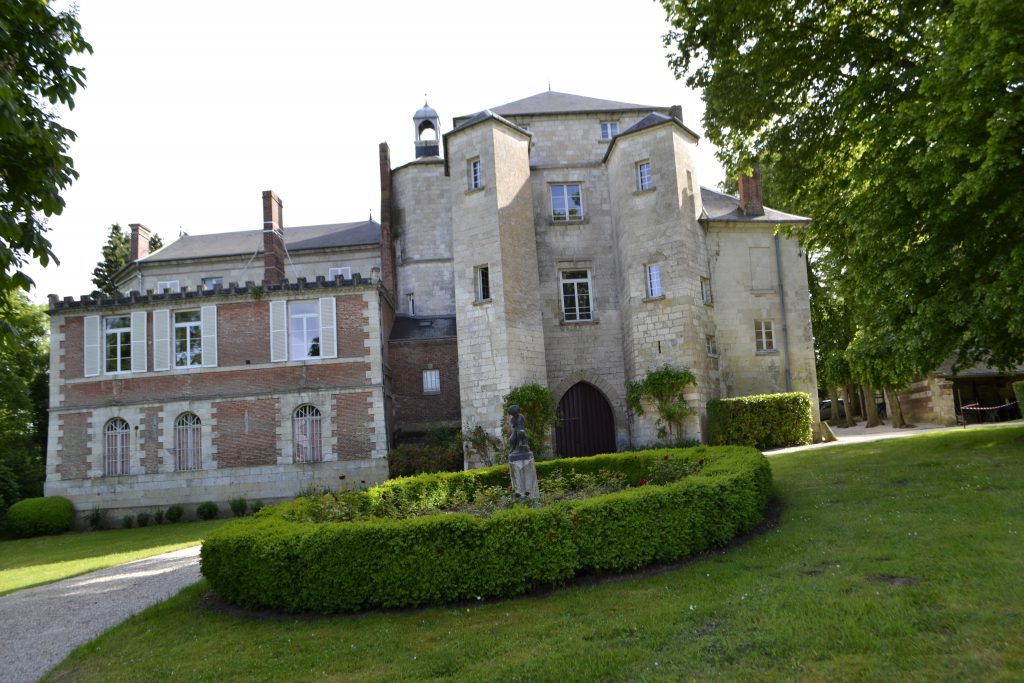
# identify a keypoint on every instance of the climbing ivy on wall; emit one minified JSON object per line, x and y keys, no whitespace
{"x":664,"y":387}
{"x":540,"y":410}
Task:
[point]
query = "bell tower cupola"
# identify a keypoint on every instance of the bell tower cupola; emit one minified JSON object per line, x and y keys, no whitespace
{"x":428,"y":131}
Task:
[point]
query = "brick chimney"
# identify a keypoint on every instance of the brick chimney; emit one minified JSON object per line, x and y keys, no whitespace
{"x":751,"y":203}
{"x":273,"y":239}
{"x":140,"y":242}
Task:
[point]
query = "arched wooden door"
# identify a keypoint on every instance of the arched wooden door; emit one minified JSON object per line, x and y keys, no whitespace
{"x":587,"y":426}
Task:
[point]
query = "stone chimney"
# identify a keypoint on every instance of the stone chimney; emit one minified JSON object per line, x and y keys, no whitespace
{"x":751,"y":203}
{"x":273,"y":239}
{"x":140,"y":242}
{"x":676,"y":112}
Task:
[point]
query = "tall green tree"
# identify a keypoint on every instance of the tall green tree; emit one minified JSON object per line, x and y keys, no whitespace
{"x":116,"y":255}
{"x":899,"y":127}
{"x":36,"y":46}
{"x":24,"y":397}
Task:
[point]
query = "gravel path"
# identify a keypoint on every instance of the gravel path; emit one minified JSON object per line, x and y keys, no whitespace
{"x":42,"y":625}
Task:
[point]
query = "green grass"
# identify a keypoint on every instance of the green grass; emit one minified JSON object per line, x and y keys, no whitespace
{"x":34,"y":561}
{"x":896,"y":560}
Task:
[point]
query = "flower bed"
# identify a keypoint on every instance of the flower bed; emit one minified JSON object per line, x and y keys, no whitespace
{"x":420,"y":553}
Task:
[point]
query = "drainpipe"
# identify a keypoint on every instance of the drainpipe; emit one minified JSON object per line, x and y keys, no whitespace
{"x":782,"y":303}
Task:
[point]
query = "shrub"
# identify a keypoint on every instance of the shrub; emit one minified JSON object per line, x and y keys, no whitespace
{"x":175,"y":513}
{"x":1018,"y":391}
{"x":158,"y":517}
{"x":766,"y":421}
{"x":270,"y":560}
{"x":128,"y":521}
{"x":406,"y":460}
{"x":257,"y":506}
{"x":666,"y":388}
{"x":238,"y":506}
{"x":97,"y":519}
{"x":40,"y":516}
{"x":142,"y":519}
{"x":207,"y":510}
{"x":539,"y":409}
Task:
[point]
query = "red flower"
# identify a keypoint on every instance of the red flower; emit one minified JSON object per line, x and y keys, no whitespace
{"x":642,"y":482}
{"x":665,"y":457}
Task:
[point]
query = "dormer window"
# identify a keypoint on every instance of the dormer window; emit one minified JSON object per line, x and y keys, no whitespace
{"x":167,"y":285}
{"x":344,"y":272}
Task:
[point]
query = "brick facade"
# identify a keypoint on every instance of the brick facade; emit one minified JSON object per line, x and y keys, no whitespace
{"x":414,"y":409}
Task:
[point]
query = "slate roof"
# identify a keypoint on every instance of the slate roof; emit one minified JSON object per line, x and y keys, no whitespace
{"x":245,"y":242}
{"x":976,"y":370}
{"x":423,"y":328}
{"x":722,"y":207}
{"x":550,"y":102}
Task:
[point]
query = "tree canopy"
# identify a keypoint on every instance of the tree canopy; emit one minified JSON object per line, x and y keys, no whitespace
{"x":36,"y":44}
{"x":898,"y":127}
{"x":116,"y":255}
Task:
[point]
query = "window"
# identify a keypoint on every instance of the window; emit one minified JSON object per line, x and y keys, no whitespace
{"x":764,"y":335}
{"x":188,"y":339}
{"x":705,"y":291}
{"x":162,"y":285}
{"x":306,"y":434}
{"x":576,"y":306}
{"x":483,"y":283}
{"x":187,"y":444}
{"x":343,"y":272}
{"x":431,"y":381}
{"x":476,"y":178}
{"x":654,"y":281}
{"x":643,"y":176}
{"x":303,"y":330}
{"x":566,"y":202}
{"x":712,"y":346}
{"x":210,"y":282}
{"x":117,"y":443}
{"x":609,"y":129}
{"x":117,"y":332}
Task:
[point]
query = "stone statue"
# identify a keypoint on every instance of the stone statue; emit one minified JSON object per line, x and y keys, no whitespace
{"x":521,"y":465}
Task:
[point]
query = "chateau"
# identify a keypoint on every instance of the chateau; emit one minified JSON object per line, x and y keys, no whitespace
{"x":558,"y":240}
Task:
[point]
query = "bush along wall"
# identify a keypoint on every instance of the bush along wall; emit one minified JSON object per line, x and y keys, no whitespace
{"x":275,"y":560}
{"x":41,"y":516}
{"x":766,"y":421}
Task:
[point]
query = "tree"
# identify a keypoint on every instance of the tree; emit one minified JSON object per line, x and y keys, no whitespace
{"x":36,"y":44}
{"x":116,"y":255}
{"x":538,"y":408}
{"x":24,"y":398}
{"x":898,"y":127}
{"x":666,"y":388}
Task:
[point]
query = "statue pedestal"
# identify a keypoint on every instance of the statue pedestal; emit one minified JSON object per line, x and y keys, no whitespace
{"x":523,"y":469}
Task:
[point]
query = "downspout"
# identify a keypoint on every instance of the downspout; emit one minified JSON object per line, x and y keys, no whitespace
{"x":782,"y":304}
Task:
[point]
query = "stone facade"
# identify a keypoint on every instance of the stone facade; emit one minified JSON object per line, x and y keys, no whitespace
{"x":721,"y":273}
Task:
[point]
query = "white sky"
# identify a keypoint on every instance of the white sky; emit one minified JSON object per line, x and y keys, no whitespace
{"x":193,"y":107}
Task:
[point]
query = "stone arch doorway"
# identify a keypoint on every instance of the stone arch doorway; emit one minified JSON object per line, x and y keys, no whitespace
{"x":587,"y":426}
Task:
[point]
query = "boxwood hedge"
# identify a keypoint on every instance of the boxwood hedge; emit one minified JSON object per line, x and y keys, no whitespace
{"x":268,"y":561}
{"x":41,"y":516}
{"x":766,"y":420}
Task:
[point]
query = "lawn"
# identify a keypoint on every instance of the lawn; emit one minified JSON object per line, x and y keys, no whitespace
{"x":896,"y":560}
{"x":34,"y":561}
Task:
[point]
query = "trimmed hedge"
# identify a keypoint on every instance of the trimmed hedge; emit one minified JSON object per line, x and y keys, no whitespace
{"x":41,"y":516}
{"x":766,"y":421}
{"x":268,"y":561}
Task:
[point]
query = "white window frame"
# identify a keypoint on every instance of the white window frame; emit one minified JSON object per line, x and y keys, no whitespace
{"x":764,"y":336}
{"x":706,"y":295}
{"x":117,"y":448}
{"x":566,"y":193}
{"x":432,"y":381}
{"x":653,"y":278}
{"x":482,"y":280}
{"x":304,"y":321}
{"x":318,"y":323}
{"x":344,"y":271}
{"x":173,"y":285}
{"x":210,"y":282}
{"x":193,"y":332}
{"x":609,"y":129}
{"x":476,"y":173}
{"x":307,"y":434}
{"x":188,"y":443}
{"x":121,"y":337}
{"x":570,"y":285}
{"x":644,"y":179}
